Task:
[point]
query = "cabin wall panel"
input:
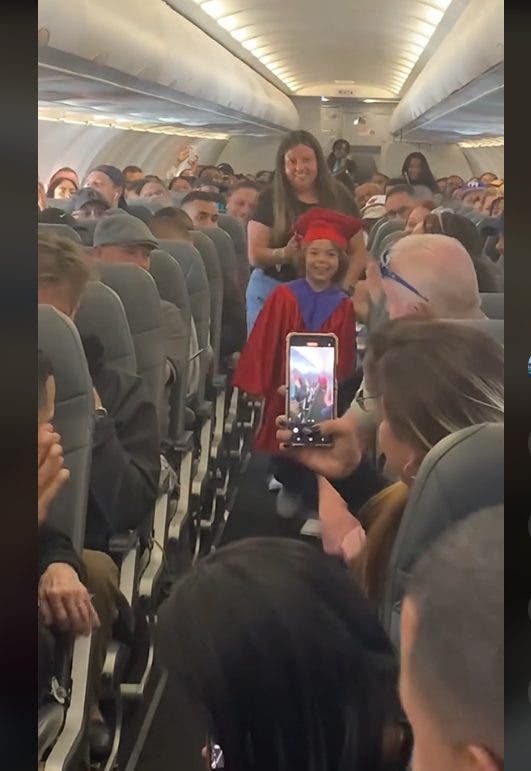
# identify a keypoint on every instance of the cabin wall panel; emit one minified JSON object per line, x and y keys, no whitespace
{"x":483,"y":159}
{"x":82,"y":147}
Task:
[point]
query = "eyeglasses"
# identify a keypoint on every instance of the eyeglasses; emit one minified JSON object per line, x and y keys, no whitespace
{"x":365,"y":403}
{"x":388,"y":273}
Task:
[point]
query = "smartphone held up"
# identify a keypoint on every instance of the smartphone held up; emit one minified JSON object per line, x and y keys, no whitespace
{"x":311,"y":389}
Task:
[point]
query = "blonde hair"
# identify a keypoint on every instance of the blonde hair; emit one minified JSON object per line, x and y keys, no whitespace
{"x":62,"y":263}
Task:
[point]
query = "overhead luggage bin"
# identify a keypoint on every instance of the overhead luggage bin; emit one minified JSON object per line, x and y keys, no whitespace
{"x":464,"y":75}
{"x":180,"y":66}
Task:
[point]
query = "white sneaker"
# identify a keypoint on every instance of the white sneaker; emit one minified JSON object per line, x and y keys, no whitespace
{"x":274,"y":485}
{"x":288,"y":505}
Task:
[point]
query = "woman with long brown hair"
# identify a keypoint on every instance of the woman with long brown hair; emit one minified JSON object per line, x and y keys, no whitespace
{"x":458,"y":382}
{"x":302,"y":180}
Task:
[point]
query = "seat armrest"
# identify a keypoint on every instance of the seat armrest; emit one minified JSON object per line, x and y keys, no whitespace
{"x":204,"y":410}
{"x":121,"y":544}
{"x":219,"y":382}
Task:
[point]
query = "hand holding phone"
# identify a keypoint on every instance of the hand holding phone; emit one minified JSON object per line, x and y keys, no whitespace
{"x":311,"y":393}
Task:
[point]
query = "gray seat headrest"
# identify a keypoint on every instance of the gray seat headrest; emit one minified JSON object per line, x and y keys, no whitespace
{"x":74,"y":419}
{"x":199,"y":293}
{"x":236,"y":231}
{"x":212,"y":262}
{"x":61,"y":230}
{"x":141,"y":302}
{"x":492,"y":327}
{"x":492,"y":304}
{"x":171,"y":286}
{"x":385,"y":229}
{"x":460,"y":475}
{"x":101,"y":313}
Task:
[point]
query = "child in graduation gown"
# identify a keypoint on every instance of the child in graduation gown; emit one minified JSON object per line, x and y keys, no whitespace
{"x":315,"y":303}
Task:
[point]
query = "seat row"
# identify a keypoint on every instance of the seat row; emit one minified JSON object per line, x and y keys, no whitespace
{"x":204,"y":437}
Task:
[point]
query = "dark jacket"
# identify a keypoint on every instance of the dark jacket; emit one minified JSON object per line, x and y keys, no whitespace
{"x":55,"y":546}
{"x":126,"y":453}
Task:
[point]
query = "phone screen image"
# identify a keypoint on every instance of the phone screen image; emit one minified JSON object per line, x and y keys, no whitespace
{"x":311,"y":396}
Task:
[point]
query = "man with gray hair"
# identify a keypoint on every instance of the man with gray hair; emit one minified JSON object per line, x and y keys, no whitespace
{"x":423,"y":275}
{"x":452,"y":653}
{"x":402,"y":199}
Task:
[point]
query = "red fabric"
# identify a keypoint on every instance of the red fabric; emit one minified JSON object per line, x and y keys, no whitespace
{"x":334,"y":226}
{"x":261,"y":369}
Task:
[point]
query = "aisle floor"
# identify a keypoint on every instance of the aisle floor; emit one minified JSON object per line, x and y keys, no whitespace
{"x":177,"y":733}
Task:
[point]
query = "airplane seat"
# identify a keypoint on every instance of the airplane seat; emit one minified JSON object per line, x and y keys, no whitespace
{"x":391,"y":239}
{"x":65,"y":204}
{"x":86,"y":229}
{"x":149,"y":204}
{"x":492,"y":304}
{"x":493,"y":327}
{"x":138,"y":293}
{"x":171,"y":286}
{"x":462,"y":474}
{"x":365,"y":166}
{"x":101,"y":313}
{"x":211,"y":260}
{"x":236,"y":231}
{"x":61,"y":230}
{"x":375,"y":230}
{"x":177,"y":197}
{"x":388,"y":227}
{"x":138,"y":208}
{"x":489,"y":248}
{"x":199,"y":293}
{"x":74,"y":418}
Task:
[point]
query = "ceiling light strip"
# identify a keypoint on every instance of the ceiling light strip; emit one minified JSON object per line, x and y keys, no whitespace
{"x":417,"y":42}
{"x":138,"y":127}
{"x":251,"y":42}
{"x":486,"y":142}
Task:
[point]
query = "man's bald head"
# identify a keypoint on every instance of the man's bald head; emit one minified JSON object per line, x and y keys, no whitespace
{"x":440,"y":268}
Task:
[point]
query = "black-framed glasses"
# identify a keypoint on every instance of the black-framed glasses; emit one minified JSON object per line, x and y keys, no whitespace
{"x":386,"y":272}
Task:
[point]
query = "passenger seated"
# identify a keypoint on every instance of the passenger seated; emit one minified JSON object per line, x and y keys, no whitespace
{"x":417,"y":217}
{"x":65,"y":603}
{"x":185,"y":165}
{"x":132,"y":174}
{"x":458,"y":382}
{"x":128,"y":239}
{"x":416,"y":171}
{"x":401,"y":199}
{"x":126,"y":449}
{"x":364,"y":192}
{"x":65,"y":172}
{"x":154,"y":191}
{"x":242,"y":201}
{"x":89,"y":205}
{"x":42,"y":201}
{"x":273,"y":641}
{"x":61,"y":187}
{"x":201,"y":208}
{"x":454,"y":182}
{"x":456,"y":226}
{"x":452,"y":648}
{"x":110,"y":184}
{"x":180,"y":185}
{"x":429,"y":276}
{"x":172,"y":224}
{"x":379,"y":179}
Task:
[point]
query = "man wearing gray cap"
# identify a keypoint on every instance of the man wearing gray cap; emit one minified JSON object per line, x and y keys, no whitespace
{"x":124,"y":238}
{"x":89,"y":204}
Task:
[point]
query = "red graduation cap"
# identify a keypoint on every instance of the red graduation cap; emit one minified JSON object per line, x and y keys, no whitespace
{"x":326,"y":224}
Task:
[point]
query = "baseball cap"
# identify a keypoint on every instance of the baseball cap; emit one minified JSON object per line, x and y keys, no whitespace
{"x":374,"y":208}
{"x":88,"y":195}
{"x":123,"y":229}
